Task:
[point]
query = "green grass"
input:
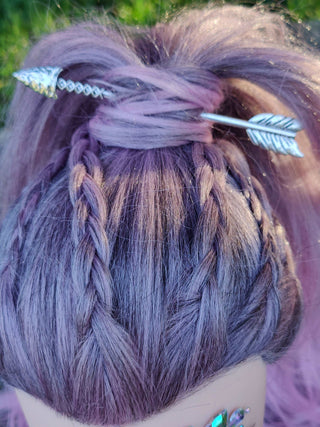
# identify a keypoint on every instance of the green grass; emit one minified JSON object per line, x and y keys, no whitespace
{"x":22,"y":22}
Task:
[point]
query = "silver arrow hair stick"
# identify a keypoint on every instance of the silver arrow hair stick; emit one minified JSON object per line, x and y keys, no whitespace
{"x":247,"y":124}
{"x":269,"y":131}
{"x":272,"y":132}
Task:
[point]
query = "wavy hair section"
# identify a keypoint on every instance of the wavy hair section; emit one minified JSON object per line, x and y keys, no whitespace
{"x":142,"y":251}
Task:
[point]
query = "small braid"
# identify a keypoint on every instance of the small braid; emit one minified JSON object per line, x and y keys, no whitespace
{"x":10,"y":266}
{"x":88,"y":229}
{"x":206,"y":250}
{"x":108,"y":343}
{"x":198,"y":309}
{"x":32,"y":197}
{"x":275,"y":278}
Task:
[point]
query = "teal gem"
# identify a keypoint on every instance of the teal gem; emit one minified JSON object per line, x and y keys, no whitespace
{"x":220,"y":420}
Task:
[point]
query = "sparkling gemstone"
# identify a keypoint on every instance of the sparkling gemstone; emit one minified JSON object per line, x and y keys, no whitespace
{"x":220,"y":420}
{"x":237,"y":416}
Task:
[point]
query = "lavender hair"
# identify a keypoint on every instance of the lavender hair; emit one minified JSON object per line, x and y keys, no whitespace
{"x":143,"y":251}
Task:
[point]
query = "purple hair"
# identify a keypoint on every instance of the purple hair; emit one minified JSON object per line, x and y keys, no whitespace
{"x":142,"y":251}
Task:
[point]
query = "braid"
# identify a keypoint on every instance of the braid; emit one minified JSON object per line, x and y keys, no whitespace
{"x":91,"y":255}
{"x":257,"y":281}
{"x":199,"y":308}
{"x":10,"y":265}
{"x":274,"y":300}
{"x":109,"y":345}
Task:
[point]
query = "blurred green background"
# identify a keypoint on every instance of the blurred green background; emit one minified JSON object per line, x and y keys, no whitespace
{"x":22,"y":22}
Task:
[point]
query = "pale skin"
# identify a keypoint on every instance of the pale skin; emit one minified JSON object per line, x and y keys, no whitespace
{"x":240,"y":387}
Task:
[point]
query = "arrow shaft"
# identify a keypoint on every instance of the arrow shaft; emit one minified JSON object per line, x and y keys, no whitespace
{"x":78,"y":87}
{"x":247,"y":125}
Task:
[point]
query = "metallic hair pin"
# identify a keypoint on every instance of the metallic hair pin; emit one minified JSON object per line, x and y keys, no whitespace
{"x":45,"y":81}
{"x":271,"y":132}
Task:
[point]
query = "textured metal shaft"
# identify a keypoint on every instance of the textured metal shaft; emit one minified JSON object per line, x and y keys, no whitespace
{"x":85,"y":89}
{"x":246,"y":125}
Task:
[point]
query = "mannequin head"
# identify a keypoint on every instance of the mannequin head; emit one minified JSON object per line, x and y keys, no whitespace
{"x":243,"y":385}
{"x":143,"y":252}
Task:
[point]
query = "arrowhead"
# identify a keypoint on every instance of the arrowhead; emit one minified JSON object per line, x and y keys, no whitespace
{"x":42,"y":79}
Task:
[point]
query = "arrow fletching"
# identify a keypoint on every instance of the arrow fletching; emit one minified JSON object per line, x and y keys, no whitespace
{"x":273,"y":139}
{"x":269,"y":131}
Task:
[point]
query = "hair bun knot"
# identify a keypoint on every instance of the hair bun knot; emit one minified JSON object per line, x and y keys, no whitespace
{"x":161,"y":108}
